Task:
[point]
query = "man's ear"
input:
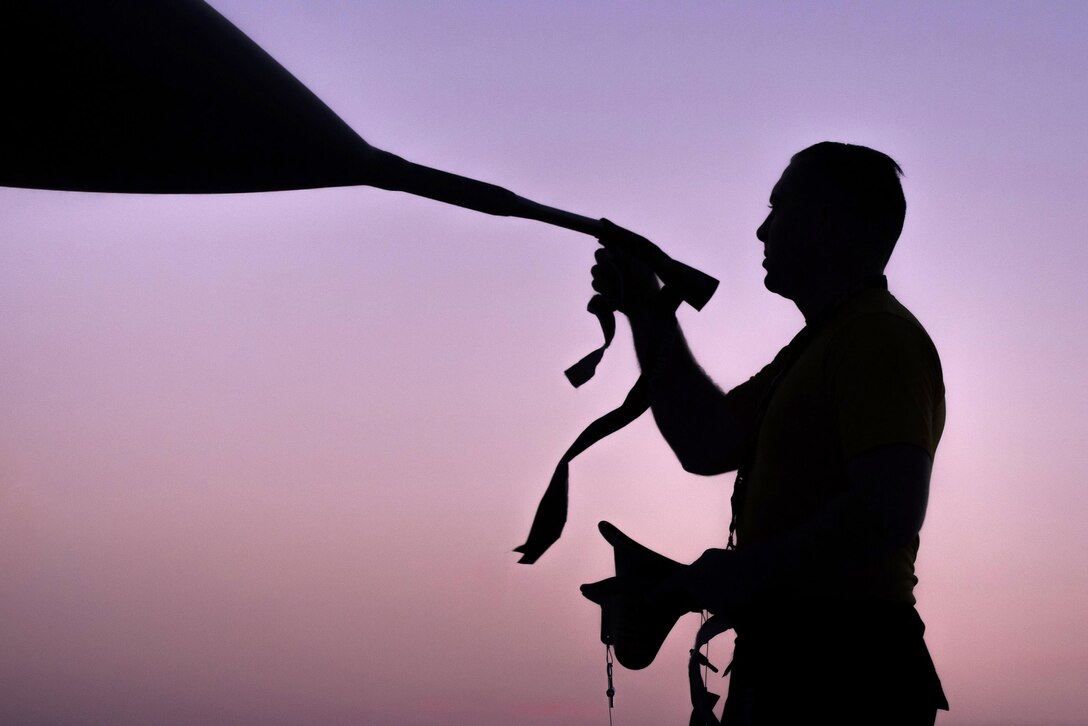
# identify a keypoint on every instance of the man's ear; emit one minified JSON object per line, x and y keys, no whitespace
{"x":825,"y":230}
{"x":838,"y":232}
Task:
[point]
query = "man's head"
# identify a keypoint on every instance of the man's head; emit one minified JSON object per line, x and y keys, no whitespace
{"x":837,"y":210}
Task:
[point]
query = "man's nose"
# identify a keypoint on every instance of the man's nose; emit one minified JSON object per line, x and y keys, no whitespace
{"x":761,"y":232}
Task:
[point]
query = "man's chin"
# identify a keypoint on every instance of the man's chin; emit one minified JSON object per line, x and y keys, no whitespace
{"x":771,"y":283}
{"x":775,"y":285}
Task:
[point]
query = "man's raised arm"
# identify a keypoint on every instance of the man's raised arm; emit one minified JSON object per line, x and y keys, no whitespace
{"x":694,"y":415}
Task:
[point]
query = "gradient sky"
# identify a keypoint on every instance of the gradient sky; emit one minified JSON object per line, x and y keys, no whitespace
{"x":263,"y":458}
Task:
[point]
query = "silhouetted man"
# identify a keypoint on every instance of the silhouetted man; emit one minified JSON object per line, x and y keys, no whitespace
{"x":833,"y":442}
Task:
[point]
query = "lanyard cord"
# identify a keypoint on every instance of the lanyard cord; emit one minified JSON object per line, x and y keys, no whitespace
{"x":611,"y":692}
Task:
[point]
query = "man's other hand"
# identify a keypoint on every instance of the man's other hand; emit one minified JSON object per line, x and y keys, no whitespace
{"x":724,"y":582}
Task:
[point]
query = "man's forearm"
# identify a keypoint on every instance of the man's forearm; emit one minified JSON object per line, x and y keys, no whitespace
{"x":688,"y":407}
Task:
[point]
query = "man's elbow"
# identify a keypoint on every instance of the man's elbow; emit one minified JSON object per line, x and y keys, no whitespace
{"x":894,"y":484}
{"x":706,"y":444}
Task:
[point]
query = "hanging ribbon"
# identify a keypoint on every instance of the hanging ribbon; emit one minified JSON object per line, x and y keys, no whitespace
{"x":551,"y":513}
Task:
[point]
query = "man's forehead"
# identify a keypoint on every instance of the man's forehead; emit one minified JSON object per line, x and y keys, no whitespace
{"x":797,"y":183}
{"x":787,"y":184}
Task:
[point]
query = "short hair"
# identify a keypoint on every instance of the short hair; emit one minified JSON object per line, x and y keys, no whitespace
{"x":868,"y":187}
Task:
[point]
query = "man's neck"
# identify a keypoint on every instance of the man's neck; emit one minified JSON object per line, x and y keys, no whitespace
{"x":820,"y":299}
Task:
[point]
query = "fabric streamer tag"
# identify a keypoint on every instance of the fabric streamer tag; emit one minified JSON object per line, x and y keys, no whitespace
{"x":584,"y":369}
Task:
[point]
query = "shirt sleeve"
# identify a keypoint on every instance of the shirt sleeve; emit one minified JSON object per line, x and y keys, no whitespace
{"x":886,"y":385}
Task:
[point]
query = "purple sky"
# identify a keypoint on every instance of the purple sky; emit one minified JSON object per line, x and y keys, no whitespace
{"x":263,"y":458}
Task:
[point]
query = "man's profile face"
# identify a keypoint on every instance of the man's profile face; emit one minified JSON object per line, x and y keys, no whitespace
{"x":791,"y":235}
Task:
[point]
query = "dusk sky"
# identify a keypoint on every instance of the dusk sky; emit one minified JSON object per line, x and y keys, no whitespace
{"x":264,"y":458}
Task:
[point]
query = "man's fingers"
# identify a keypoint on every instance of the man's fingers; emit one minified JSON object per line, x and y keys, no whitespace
{"x":605,"y":279}
{"x":603,"y":271}
{"x":605,"y":285}
{"x":621,"y":272}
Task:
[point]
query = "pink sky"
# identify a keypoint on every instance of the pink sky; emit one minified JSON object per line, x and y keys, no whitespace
{"x":263,"y":458}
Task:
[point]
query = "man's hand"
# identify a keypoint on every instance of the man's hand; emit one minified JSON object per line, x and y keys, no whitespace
{"x":725,"y":581}
{"x":625,"y":282}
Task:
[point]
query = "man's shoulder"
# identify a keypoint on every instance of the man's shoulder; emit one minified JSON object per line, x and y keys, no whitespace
{"x":879,"y":319}
{"x":876,"y":306}
{"x":884,"y":376}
